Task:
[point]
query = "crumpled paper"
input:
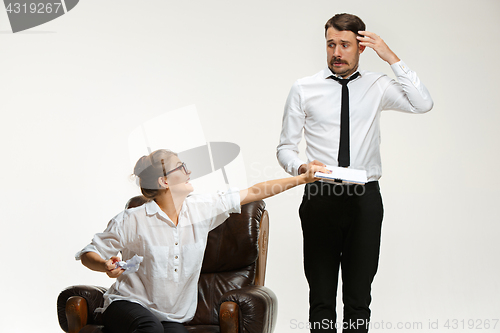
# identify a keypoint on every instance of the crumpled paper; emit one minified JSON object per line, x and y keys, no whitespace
{"x":130,"y":266}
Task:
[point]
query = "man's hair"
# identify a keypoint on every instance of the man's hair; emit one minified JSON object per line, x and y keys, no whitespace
{"x":345,"y":22}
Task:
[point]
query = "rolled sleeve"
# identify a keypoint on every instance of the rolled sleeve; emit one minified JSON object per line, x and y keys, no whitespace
{"x":108,"y":243}
{"x":88,"y":248}
{"x":226,"y":202}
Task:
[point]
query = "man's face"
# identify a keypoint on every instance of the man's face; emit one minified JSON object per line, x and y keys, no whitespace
{"x":342,"y":50}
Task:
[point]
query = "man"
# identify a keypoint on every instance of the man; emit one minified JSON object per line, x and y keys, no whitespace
{"x":338,"y":109}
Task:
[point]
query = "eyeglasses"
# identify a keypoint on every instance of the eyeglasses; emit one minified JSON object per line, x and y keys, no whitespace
{"x":182,"y":166}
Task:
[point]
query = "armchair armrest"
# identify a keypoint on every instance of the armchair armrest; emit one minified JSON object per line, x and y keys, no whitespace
{"x":77,"y":302}
{"x":256,"y":307}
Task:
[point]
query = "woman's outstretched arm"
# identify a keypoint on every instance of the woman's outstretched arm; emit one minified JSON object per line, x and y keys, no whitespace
{"x":272,"y":187}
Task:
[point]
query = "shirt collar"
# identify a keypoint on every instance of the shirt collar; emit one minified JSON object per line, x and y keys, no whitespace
{"x":152,"y":208}
{"x":327,"y":72}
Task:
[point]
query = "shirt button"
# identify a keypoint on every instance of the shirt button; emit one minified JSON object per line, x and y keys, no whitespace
{"x":176,"y":243}
{"x":175,"y":270}
{"x":176,"y":257}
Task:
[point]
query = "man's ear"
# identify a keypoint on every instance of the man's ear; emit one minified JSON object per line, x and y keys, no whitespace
{"x":361,"y":48}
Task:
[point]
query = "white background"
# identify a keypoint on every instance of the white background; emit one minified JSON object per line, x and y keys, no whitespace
{"x":73,"y":89}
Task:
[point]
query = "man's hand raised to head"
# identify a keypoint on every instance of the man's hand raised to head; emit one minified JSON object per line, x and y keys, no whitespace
{"x":374,"y":41}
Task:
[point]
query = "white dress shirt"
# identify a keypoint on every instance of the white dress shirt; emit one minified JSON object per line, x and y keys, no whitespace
{"x":313,"y":107}
{"x":167,"y":280}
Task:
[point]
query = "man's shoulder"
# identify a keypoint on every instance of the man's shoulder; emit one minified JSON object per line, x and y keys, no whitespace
{"x":373,"y":75}
{"x":317,"y":77}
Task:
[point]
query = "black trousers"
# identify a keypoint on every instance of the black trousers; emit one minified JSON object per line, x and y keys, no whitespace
{"x":129,"y":317}
{"x":341,"y":226}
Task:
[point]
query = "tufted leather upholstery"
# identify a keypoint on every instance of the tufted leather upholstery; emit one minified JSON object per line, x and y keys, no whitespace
{"x":231,"y":292}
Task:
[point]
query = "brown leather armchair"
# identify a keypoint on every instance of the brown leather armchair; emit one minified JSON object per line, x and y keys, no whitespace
{"x":231,"y":293}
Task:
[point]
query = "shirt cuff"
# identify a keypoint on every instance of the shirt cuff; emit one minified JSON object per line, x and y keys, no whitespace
{"x":400,"y":68}
{"x":88,"y":248}
{"x":295,"y":167}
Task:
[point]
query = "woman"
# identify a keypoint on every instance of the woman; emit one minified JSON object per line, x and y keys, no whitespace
{"x":170,"y":233}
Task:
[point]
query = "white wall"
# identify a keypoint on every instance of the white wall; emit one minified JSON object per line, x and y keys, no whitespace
{"x":72,"y":90}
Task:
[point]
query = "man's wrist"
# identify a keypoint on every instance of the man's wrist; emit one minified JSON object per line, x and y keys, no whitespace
{"x":393,"y":59}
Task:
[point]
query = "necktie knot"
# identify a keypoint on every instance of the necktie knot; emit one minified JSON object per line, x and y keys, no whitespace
{"x":344,"y":82}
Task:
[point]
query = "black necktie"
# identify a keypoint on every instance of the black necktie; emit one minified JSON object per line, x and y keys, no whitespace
{"x":344,"y":155}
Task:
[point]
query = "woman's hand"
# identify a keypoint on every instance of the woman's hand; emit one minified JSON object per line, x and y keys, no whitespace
{"x":304,"y":167}
{"x":94,"y":261}
{"x":309,"y":174}
{"x":110,"y":267}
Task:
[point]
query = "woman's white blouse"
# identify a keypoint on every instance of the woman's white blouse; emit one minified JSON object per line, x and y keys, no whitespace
{"x":167,"y":280}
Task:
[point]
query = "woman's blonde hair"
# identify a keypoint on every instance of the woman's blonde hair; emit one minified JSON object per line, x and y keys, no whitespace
{"x":149,"y":168}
